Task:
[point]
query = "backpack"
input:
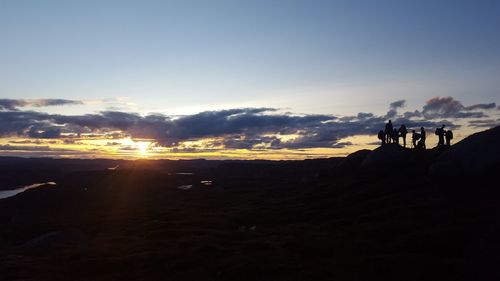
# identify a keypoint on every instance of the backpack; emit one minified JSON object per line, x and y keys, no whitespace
{"x":449,"y":134}
{"x":380,"y":135}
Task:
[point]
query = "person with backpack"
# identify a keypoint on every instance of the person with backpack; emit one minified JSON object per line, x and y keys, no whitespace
{"x":440,"y":132}
{"x":421,"y":143}
{"x":388,"y":131}
{"x":395,"y":136}
{"x":402,"y":133}
{"x":414,"y":138}
{"x":381,"y":136}
{"x":449,"y":137}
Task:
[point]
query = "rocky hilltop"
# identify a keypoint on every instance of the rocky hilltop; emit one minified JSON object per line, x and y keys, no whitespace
{"x":387,"y":214}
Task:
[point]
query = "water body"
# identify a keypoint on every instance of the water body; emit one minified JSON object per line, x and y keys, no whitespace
{"x":114,"y":168}
{"x":12,"y":192}
{"x":185,"y":187}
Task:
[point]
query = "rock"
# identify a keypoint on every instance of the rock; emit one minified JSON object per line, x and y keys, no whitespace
{"x":353,"y":161}
{"x":473,"y":155}
{"x":387,"y":156}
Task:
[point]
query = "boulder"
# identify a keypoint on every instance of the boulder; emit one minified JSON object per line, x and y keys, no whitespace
{"x":353,"y":161}
{"x":389,"y":155}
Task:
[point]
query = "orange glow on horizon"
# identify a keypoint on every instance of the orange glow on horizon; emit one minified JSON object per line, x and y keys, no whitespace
{"x":209,"y":148}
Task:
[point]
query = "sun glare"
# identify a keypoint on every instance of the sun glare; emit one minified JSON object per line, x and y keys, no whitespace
{"x":142,"y":148}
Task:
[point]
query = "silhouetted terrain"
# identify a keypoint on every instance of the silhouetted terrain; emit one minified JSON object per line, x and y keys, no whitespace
{"x":387,"y":214}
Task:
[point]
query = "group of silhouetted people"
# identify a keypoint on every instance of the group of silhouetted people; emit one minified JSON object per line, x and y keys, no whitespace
{"x":392,"y":135}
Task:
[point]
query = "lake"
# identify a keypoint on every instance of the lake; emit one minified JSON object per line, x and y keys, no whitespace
{"x":12,"y":192}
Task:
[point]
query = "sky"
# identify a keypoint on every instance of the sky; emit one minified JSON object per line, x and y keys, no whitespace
{"x":240,"y":79}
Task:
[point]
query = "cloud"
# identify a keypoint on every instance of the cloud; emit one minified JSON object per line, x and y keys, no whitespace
{"x":391,"y":114}
{"x":483,"y":106}
{"x":8,"y":147}
{"x":239,"y":128}
{"x":26,"y":141}
{"x":363,"y":115}
{"x":342,"y":144}
{"x":448,"y":107}
{"x":442,"y":106}
{"x":412,"y":124}
{"x":43,"y":151}
{"x":14,"y":104}
{"x":393,"y":108}
{"x":485,"y":123}
{"x":397,"y":104}
{"x":47,"y":133}
{"x":413,"y":114}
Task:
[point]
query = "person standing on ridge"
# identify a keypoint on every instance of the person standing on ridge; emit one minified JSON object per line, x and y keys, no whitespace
{"x":381,"y":136}
{"x":403,"y":131}
{"x":414,"y":138}
{"x":421,"y":143}
{"x":449,"y":137}
{"x":395,"y":136}
{"x":440,"y":133}
{"x":388,"y":131}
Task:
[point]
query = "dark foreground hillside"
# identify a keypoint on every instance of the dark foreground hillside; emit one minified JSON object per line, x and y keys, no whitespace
{"x":365,"y":217}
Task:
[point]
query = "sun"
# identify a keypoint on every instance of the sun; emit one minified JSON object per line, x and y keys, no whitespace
{"x":142,"y":147}
{"x":136,"y":148}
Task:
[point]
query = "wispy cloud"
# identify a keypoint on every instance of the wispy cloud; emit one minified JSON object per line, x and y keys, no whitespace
{"x":480,"y":106}
{"x":485,"y":123}
{"x":14,"y":104}
{"x":8,"y":147}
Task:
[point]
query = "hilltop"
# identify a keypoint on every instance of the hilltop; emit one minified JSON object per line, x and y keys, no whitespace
{"x":387,"y":214}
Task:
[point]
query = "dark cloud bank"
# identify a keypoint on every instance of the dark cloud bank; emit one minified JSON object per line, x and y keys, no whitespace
{"x":235,"y":128}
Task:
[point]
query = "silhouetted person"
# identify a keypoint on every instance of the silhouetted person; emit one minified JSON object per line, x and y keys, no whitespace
{"x":403,"y":132}
{"x":388,"y":131}
{"x":414,"y":138}
{"x":449,"y":137}
{"x":381,"y":136}
{"x":421,"y":143}
{"x":395,"y":135}
{"x":440,"y":133}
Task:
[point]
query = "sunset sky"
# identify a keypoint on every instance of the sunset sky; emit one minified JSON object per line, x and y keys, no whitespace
{"x":240,"y":79}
